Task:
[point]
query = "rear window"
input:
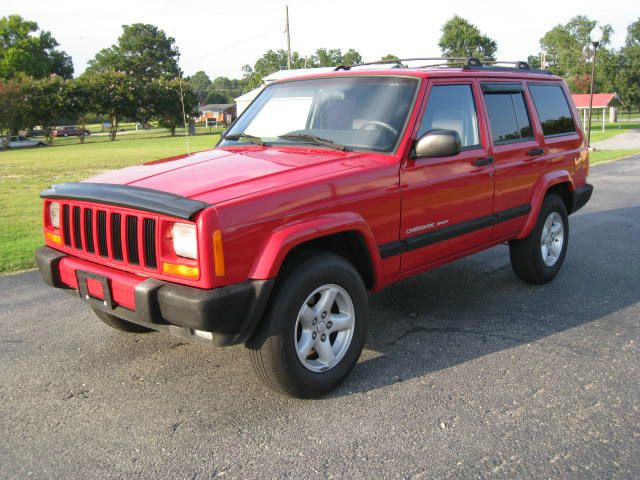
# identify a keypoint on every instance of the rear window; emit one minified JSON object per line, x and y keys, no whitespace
{"x":508,"y":117}
{"x":553,"y":109}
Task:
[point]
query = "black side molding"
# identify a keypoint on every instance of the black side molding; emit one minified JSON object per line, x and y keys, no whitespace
{"x":127,"y":196}
{"x":429,"y":238}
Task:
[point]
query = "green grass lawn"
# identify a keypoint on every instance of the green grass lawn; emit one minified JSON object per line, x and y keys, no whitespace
{"x":25,"y":173}
{"x":600,"y":156}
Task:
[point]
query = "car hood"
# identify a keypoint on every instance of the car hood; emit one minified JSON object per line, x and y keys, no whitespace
{"x":218,"y":175}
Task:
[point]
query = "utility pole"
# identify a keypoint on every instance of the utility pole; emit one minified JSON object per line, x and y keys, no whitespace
{"x":286,"y":7}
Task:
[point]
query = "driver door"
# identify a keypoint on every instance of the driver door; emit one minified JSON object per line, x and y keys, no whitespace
{"x":447,"y":202}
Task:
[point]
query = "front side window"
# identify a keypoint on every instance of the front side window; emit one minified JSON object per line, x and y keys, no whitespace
{"x":508,"y":117}
{"x":451,"y":107}
{"x":553,"y":109}
{"x":358,"y":112}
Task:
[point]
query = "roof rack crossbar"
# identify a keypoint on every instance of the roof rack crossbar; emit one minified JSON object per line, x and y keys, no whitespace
{"x":467,"y":63}
{"x":401,"y":60}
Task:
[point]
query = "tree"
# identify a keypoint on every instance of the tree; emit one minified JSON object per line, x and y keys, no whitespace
{"x":334,"y":58}
{"x":200,"y":83}
{"x":49,"y":103}
{"x":628,"y":71}
{"x":351,"y":57}
{"x":15,"y":104}
{"x":461,"y":38}
{"x":114,"y":96}
{"x":569,"y":52}
{"x":273,"y":61}
{"x":167,"y":106}
{"x":143,"y":51}
{"x":270,"y":62}
{"x":24,"y":48}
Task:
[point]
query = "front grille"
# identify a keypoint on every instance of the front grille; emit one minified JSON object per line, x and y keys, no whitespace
{"x":132,"y":239}
{"x":103,"y":231}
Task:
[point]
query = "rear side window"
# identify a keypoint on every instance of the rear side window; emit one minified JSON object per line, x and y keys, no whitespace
{"x":451,"y":107}
{"x":553,"y":109}
{"x":508,"y":117}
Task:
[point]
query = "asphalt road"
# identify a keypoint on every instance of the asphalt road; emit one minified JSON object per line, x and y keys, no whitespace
{"x":467,"y":373}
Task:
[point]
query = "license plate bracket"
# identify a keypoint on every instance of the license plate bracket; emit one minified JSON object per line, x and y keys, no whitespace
{"x":105,"y":303}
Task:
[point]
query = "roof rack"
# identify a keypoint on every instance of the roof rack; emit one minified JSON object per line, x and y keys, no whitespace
{"x":467,"y":63}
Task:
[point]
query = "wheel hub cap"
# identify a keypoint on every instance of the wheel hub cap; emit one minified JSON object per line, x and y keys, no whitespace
{"x":324,"y":328}
{"x":552,"y":239}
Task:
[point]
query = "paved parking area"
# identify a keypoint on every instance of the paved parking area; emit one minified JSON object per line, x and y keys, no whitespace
{"x":625,"y":141}
{"x":467,"y":373}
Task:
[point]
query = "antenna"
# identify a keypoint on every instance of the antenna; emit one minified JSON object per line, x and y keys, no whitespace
{"x":184,"y":113}
{"x":286,"y":10}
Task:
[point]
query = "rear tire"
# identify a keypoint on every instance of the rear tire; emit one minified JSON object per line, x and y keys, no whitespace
{"x":314,"y":329}
{"x":120,"y":324}
{"x":537,"y":259}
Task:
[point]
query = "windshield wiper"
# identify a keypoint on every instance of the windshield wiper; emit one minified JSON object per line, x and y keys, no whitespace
{"x":245,"y":136}
{"x":306,"y":137}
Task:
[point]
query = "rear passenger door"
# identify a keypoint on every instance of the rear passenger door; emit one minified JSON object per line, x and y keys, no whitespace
{"x":517,"y":151}
{"x":447,"y":201}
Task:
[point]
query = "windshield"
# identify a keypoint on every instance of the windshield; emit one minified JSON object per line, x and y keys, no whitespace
{"x":364,"y":113}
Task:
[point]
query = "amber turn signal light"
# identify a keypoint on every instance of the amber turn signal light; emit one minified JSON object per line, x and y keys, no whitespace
{"x":218,"y":254}
{"x":52,"y":237}
{"x":181,"y":270}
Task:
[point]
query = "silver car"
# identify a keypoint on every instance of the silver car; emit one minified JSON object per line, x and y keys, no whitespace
{"x":19,"y":142}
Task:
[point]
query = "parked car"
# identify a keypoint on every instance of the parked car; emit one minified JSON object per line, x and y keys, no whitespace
{"x":327,"y":188}
{"x":70,"y":132}
{"x":19,"y":141}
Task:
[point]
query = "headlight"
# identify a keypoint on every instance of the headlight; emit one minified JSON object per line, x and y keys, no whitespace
{"x":54,"y":214}
{"x":185,"y":243}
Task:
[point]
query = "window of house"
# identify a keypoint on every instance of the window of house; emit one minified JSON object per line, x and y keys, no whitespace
{"x":451,"y":107}
{"x":553,"y":109}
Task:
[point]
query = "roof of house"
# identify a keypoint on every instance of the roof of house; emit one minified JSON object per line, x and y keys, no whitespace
{"x":600,"y":100}
{"x":216,"y":107}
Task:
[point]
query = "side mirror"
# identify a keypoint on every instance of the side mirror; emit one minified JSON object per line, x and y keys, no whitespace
{"x":438,"y":143}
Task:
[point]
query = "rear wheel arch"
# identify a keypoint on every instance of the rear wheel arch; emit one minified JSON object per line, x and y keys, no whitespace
{"x":558,"y":182}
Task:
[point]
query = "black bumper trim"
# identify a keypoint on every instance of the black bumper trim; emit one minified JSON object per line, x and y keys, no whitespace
{"x":230,"y":313}
{"x":580,"y":197}
{"x":127,"y":196}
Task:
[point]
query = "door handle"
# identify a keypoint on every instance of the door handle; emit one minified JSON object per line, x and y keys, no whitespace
{"x":482,"y":161}
{"x":534,"y":152}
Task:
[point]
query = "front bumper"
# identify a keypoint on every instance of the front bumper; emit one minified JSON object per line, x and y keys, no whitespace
{"x":222,"y":316}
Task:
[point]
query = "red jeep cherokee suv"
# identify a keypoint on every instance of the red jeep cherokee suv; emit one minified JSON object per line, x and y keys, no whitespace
{"x":327,"y":187}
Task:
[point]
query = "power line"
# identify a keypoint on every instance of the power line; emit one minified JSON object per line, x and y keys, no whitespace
{"x":232,"y":46}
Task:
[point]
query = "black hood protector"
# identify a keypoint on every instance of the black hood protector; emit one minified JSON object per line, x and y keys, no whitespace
{"x":138,"y":198}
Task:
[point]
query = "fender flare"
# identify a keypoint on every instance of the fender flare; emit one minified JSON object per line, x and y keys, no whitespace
{"x":544,"y":183}
{"x":282,"y":240}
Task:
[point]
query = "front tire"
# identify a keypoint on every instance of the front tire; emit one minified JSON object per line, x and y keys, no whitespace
{"x":537,"y":259}
{"x":119,"y":324}
{"x":314,"y":329}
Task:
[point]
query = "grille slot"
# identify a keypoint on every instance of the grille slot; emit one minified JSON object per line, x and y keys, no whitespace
{"x":77,"y":232}
{"x":66,"y":225}
{"x":149,"y":226}
{"x":132,"y":240}
{"x":88,"y":230}
{"x":116,"y":236}
{"x":110,"y":233}
{"x":102,"y":233}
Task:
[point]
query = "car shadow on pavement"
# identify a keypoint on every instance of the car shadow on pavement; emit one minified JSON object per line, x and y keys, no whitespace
{"x":476,"y":306}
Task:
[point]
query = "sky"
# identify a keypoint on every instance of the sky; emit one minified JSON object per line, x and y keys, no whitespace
{"x":221,"y":37}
